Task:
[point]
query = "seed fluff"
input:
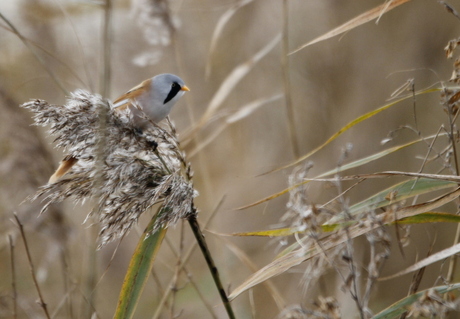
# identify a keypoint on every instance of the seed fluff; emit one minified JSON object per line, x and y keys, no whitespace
{"x":124,"y":170}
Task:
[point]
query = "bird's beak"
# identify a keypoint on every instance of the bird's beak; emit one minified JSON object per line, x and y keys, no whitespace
{"x":185,"y":88}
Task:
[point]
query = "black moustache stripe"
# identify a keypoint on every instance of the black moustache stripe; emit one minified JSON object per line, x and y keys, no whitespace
{"x":175,"y":88}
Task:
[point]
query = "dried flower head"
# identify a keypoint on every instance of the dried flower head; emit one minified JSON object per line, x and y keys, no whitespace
{"x":299,"y":210}
{"x":432,"y":304}
{"x":119,"y":166}
{"x":293,"y":312}
{"x":307,"y":219}
{"x":157,"y":23}
{"x":326,"y":308}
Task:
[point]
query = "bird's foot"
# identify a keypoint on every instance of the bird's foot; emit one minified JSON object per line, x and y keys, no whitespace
{"x":152,"y":144}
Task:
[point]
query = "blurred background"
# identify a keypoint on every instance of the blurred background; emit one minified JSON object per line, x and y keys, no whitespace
{"x":204,"y":41}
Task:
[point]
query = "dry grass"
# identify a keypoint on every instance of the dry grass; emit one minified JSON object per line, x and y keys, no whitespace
{"x":331,"y":226}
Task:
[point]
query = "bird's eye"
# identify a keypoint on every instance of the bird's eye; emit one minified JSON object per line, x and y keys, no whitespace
{"x":173,"y":85}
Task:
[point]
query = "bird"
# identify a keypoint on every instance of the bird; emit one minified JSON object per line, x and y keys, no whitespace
{"x":150,"y":101}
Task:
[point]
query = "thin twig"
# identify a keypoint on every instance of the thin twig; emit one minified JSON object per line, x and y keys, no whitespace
{"x":377,"y":260}
{"x":91,"y":276}
{"x":450,"y":9}
{"x":451,"y":134}
{"x":13,"y":278}
{"x":343,"y":193}
{"x":210,"y":262}
{"x":86,"y":301}
{"x":430,"y":149}
{"x":155,"y":150}
{"x":185,"y":259}
{"x":287,"y":82}
{"x":371,"y":276}
{"x":158,"y":284}
{"x":416,"y":279}
{"x":39,"y":59}
{"x":62,"y":64}
{"x":414,"y":105}
{"x":177,"y":270}
{"x":354,"y":292}
{"x":277,"y":296}
{"x":107,"y":50}
{"x":79,"y":46}
{"x":200,"y":294}
{"x":67,"y":282}
{"x":32,"y":268}
{"x":184,"y":269}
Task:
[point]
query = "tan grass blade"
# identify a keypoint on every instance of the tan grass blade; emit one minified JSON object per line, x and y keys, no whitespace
{"x":367,"y":16}
{"x":342,"y":168}
{"x":235,"y":77}
{"x":271,"y":288}
{"x":294,"y":258}
{"x":208,"y":140}
{"x":242,"y":113}
{"x":223,"y":20}
{"x":249,"y":108}
{"x":443,"y":254}
{"x":424,"y":218}
{"x":230,"y":82}
{"x":350,"y":125}
{"x":394,"y":194}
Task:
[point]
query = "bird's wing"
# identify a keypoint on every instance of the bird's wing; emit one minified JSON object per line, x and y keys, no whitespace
{"x":125,"y":100}
{"x":119,"y":104}
{"x":65,"y":165}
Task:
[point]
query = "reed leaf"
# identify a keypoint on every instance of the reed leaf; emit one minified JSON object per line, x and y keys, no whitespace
{"x":296,"y":257}
{"x":367,"y":16}
{"x":400,"y":307}
{"x":139,"y":268}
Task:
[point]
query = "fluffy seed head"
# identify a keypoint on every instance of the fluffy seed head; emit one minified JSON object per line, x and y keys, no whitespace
{"x":117,"y":165}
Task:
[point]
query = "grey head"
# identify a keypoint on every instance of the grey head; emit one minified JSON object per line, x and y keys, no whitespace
{"x":153,"y":98}
{"x":168,"y":89}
